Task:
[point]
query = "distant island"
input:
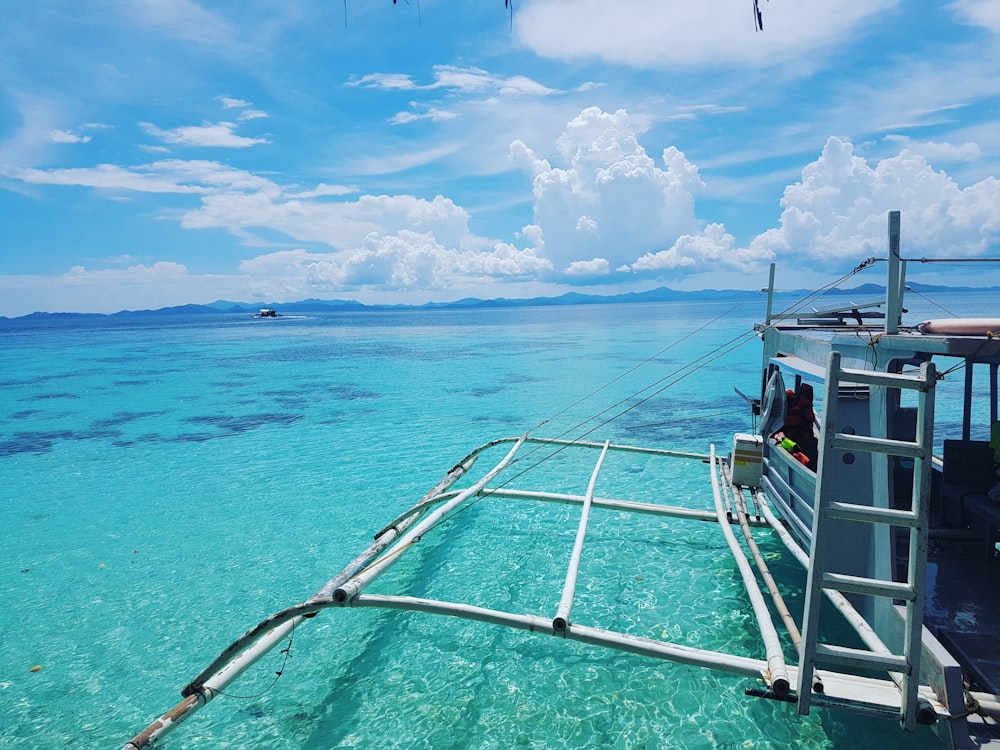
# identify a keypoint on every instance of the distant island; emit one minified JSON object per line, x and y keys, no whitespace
{"x":661,"y":294}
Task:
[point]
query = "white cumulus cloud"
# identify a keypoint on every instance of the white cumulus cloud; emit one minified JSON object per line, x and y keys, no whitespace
{"x":937,"y":151}
{"x":707,"y":251}
{"x":836,"y":212}
{"x":403,"y":261}
{"x":610,"y":199}
{"x":594,"y":267}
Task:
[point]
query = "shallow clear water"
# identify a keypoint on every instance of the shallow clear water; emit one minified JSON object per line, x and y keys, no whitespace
{"x":167,"y":483}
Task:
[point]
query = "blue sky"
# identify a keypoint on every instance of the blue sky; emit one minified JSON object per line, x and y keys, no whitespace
{"x":162,"y":152}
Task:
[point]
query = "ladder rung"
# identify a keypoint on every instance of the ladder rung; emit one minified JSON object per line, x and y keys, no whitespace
{"x":853,"y":657}
{"x":868,"y":444}
{"x":868,"y":514}
{"x":867,"y":586}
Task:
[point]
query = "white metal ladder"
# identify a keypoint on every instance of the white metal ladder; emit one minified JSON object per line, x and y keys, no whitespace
{"x":905,"y":667}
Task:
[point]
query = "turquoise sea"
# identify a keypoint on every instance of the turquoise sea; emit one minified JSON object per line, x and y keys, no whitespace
{"x":167,"y":482}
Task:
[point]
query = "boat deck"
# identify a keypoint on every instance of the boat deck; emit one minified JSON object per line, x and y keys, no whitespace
{"x":963,"y":606}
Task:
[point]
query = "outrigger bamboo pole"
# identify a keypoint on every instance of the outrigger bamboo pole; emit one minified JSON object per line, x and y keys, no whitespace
{"x":616,"y":447}
{"x":259,"y":640}
{"x":695,"y":657}
{"x":777,"y":670}
{"x":350,"y":589}
{"x":758,"y":558}
{"x":629,"y":506}
{"x":561,"y":619}
{"x":772,"y":587}
{"x":843,"y":605}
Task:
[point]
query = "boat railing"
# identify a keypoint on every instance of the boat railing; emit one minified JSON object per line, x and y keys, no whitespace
{"x":792,"y":486}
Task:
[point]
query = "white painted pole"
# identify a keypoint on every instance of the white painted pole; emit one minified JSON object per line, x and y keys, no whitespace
{"x":561,"y":619}
{"x":740,"y":665}
{"x":628,"y":506}
{"x":349,"y":589}
{"x":212,"y":687}
{"x":777,"y":671}
{"x":841,"y":602}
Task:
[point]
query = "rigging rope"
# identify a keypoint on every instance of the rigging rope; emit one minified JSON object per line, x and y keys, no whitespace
{"x":287,"y":651}
{"x":640,"y":364}
{"x":668,"y":381}
{"x":725,"y":348}
{"x":672,"y":378}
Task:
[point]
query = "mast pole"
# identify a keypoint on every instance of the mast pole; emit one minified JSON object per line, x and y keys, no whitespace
{"x":893,"y":289}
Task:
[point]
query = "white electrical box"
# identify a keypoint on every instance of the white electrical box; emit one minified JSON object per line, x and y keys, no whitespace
{"x":745,"y":459}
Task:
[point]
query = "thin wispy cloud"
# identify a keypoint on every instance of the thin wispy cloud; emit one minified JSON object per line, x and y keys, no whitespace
{"x":456,"y":79}
{"x":430,"y":113}
{"x":65,"y":136}
{"x":984,"y":13}
{"x":229,"y":102}
{"x":208,"y":134}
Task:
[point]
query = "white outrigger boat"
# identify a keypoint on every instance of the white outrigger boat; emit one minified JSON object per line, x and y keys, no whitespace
{"x":900,"y":540}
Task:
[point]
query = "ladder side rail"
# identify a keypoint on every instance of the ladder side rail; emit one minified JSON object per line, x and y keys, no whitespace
{"x":868,"y":514}
{"x":914,"y":520}
{"x":917,"y":563}
{"x":817,"y":553}
{"x":868,"y":444}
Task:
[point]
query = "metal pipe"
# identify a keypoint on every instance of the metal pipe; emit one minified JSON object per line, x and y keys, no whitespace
{"x":777,"y":670}
{"x":561,"y":619}
{"x":894,"y":299}
{"x":349,"y":589}
{"x":770,"y":295}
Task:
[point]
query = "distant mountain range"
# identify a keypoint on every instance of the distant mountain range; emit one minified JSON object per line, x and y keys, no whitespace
{"x":661,"y":294}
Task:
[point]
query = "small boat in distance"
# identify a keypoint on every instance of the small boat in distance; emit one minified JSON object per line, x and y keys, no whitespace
{"x":266,"y":312}
{"x":890,"y":506}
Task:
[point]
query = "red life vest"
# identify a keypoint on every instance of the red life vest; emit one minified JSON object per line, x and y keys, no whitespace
{"x":799,"y":416}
